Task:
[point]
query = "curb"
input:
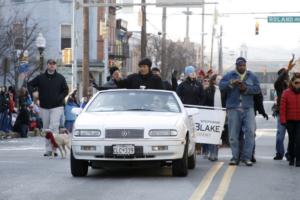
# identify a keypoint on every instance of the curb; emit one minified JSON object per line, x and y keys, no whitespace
{"x":11,"y":134}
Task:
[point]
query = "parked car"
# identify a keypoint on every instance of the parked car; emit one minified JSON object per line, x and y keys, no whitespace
{"x":133,"y":128}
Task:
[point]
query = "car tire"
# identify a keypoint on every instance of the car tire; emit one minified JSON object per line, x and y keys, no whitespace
{"x":192,"y":161}
{"x":180,"y":166}
{"x":79,"y":168}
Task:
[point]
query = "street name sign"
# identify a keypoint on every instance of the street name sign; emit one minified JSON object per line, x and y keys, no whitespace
{"x":179,"y":3}
{"x":283,"y":19}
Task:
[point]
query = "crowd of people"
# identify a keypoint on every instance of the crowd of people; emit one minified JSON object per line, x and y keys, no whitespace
{"x":238,"y":91}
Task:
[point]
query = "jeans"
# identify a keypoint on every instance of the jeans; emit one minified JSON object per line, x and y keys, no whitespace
{"x":69,"y":125}
{"x":241,"y":119}
{"x":24,"y":130}
{"x":293,"y":128}
{"x":51,"y":120}
{"x":213,"y":151}
{"x":280,"y":135}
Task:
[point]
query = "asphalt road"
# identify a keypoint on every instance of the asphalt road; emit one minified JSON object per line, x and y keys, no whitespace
{"x":26,"y":174}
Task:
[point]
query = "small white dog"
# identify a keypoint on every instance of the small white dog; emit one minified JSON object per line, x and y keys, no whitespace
{"x":60,"y":141}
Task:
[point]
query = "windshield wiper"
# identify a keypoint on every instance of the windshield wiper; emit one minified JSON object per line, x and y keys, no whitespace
{"x":139,"y":109}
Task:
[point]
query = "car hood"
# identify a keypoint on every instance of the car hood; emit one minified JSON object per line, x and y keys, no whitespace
{"x":127,"y":119}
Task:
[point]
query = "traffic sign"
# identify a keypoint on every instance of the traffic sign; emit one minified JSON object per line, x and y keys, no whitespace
{"x":283,"y":19}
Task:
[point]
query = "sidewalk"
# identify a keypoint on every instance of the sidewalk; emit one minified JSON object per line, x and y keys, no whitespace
{"x":12,"y":134}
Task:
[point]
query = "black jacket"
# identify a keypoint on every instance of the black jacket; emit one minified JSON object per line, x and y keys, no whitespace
{"x":52,"y":89}
{"x":191,"y":92}
{"x":134,"y":81}
{"x":259,"y":104}
{"x":280,"y":85}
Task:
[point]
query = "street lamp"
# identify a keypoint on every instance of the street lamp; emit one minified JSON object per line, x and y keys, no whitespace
{"x":41,"y":45}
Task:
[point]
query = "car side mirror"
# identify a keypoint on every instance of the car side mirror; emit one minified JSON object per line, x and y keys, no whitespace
{"x":76,"y":111}
{"x":191,"y":111}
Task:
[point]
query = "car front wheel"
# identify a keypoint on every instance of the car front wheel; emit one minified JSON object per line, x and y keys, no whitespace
{"x":180,"y":166}
{"x":79,"y":168}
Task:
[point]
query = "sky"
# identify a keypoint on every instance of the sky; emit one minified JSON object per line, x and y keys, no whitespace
{"x":276,"y":41}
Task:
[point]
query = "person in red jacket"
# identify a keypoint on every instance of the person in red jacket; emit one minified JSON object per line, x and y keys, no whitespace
{"x":290,"y":117}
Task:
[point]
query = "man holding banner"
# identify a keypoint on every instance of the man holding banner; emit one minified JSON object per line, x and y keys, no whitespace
{"x":240,"y":86}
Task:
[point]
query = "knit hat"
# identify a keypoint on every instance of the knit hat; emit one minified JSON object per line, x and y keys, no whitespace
{"x":240,"y":61}
{"x":201,"y":73}
{"x":112,"y":70}
{"x":189,"y":70}
{"x":146,"y":61}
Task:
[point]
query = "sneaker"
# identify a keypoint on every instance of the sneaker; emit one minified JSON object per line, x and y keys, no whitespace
{"x":297,"y":163}
{"x":253,"y":159}
{"x":278,"y":157}
{"x":291,"y":163}
{"x":233,"y":161}
{"x":287,"y":156}
{"x":247,"y":162}
{"x":212,"y":159}
{"x":47,"y":154}
{"x":55,"y":154}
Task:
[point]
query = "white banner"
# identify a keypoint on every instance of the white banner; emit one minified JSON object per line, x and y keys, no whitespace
{"x":208,"y":124}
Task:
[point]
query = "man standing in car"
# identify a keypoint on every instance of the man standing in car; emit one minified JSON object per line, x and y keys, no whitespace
{"x":143,"y":79}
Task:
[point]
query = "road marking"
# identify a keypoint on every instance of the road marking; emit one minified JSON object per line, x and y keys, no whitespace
{"x":224,"y":185}
{"x":21,"y":148}
{"x":204,"y":184}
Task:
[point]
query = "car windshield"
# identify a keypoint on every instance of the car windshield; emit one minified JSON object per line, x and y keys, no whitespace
{"x":134,"y":101}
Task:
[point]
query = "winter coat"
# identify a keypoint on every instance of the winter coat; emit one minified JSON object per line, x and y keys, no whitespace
{"x":69,"y":116}
{"x":191,"y":92}
{"x":134,"y":81}
{"x":111,"y":84}
{"x":280,"y":85}
{"x":290,"y":106}
{"x":259,"y":104}
{"x":52,"y":89}
{"x":235,"y":98}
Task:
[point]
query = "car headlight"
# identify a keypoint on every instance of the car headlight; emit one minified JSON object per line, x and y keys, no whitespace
{"x":162,"y":132}
{"x":87,"y":133}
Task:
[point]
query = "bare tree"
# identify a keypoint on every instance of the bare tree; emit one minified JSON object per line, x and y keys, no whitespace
{"x":17,"y":43}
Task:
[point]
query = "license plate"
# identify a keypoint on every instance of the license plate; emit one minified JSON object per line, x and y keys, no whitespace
{"x":123,"y":149}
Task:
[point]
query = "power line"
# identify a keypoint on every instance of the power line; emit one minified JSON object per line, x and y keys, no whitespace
{"x":25,"y":2}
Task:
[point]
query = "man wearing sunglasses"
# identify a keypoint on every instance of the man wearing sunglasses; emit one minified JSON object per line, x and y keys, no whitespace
{"x":52,"y":88}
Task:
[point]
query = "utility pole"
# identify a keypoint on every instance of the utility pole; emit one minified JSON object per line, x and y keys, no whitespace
{"x":202,"y":36}
{"x":106,"y":35}
{"x":144,"y":31}
{"x":212,"y":47}
{"x":164,"y":42}
{"x":85,"y":63}
{"x":221,"y":52}
{"x":74,"y":48}
{"x":187,"y":33}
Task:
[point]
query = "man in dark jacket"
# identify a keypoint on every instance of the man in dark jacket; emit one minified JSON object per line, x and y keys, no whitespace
{"x":280,"y":85}
{"x":166,"y":84}
{"x":52,"y":88}
{"x":144,"y":79}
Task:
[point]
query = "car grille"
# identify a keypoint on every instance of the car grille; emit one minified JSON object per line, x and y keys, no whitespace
{"x":124,"y":133}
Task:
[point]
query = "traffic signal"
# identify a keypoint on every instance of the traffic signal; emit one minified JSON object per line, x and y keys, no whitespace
{"x":256,"y":28}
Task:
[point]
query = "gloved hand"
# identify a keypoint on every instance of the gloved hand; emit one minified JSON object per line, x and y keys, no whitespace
{"x":266,"y":116}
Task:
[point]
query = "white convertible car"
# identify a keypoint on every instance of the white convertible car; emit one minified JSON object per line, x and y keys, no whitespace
{"x":133,"y":128}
